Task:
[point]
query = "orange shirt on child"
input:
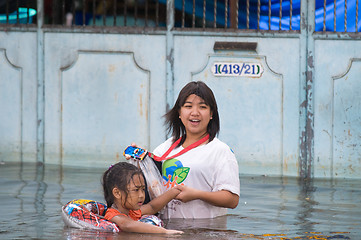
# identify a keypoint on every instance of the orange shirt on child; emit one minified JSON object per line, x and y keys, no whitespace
{"x":133,"y":214}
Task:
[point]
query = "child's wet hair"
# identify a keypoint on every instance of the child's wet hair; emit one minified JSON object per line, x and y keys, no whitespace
{"x":118,"y":175}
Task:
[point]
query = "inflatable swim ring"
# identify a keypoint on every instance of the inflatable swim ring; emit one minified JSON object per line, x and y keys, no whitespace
{"x":89,"y":214}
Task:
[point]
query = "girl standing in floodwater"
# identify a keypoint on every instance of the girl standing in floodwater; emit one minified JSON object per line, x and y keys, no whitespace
{"x":194,"y":160}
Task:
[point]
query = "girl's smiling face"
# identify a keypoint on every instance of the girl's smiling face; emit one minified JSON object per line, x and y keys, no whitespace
{"x":195,"y":115}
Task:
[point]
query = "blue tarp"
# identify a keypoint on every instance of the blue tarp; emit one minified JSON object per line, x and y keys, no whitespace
{"x":275,"y":7}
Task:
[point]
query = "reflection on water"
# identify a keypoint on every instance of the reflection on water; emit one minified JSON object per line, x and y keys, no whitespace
{"x":31,"y":197}
{"x":306,"y":206}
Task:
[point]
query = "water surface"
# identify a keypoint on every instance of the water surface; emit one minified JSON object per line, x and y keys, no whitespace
{"x":31,"y":197}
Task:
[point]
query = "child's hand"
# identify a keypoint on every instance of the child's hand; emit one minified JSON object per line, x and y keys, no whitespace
{"x":176,"y":189}
{"x":186,"y":193}
{"x":170,"y":231}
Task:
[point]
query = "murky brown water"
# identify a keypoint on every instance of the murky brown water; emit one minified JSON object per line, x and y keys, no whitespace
{"x":31,"y":197}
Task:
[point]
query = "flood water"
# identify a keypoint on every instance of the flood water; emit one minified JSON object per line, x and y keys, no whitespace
{"x":31,"y":197}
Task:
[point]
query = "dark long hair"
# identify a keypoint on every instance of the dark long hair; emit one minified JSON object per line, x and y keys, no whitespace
{"x":175,"y":125}
{"x":118,"y":175}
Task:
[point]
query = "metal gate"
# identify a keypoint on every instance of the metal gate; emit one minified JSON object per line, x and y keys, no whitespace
{"x":80,"y":80}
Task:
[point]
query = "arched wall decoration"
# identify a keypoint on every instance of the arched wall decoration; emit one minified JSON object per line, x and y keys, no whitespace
{"x":116,"y":81}
{"x":346,"y":120}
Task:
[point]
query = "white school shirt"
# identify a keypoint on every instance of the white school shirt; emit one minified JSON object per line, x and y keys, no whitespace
{"x":210,"y":167}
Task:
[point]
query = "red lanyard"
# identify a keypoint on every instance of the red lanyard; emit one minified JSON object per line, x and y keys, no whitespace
{"x":193,"y":145}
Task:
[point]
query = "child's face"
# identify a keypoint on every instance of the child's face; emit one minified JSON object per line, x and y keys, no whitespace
{"x":136,"y":194}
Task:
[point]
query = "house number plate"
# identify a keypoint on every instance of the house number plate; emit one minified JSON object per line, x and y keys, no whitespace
{"x":239,"y":69}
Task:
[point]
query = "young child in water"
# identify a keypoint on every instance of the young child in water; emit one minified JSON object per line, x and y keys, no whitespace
{"x":124,"y":186}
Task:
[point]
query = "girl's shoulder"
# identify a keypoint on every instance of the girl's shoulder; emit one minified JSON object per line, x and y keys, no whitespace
{"x":111,"y":212}
{"x":219,"y":145}
{"x":133,"y":214}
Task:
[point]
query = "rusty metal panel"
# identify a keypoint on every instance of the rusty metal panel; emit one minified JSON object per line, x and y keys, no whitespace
{"x":11,"y":107}
{"x":105,"y":94}
{"x":18,"y":96}
{"x":346,"y":142}
{"x":99,"y":100}
{"x":337,"y":109}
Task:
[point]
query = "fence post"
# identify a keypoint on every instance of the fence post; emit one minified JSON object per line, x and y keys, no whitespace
{"x":170,"y":55}
{"x":40,"y":81}
{"x":307,"y":28}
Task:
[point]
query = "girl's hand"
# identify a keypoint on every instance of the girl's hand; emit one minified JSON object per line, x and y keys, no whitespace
{"x":170,"y":231}
{"x":187,"y":193}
